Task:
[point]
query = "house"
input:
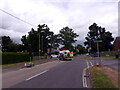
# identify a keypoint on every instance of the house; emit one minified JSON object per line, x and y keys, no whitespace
{"x":116,"y":44}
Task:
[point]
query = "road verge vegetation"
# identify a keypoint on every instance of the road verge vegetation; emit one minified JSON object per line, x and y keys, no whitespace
{"x":21,"y":63}
{"x":100,"y":79}
{"x":107,"y":57}
{"x":14,"y":57}
{"x":87,"y":57}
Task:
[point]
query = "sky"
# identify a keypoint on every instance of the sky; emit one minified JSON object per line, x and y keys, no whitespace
{"x":76,"y":14}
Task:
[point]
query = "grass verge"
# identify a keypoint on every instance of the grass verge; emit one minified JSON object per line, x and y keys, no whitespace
{"x":108,"y":57}
{"x":87,"y":57}
{"x":99,"y":79}
{"x":16,"y":64}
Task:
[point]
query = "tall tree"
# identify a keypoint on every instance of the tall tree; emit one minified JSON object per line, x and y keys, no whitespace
{"x":9,"y":46}
{"x":45,"y":36}
{"x":38,"y":40}
{"x":25,"y":42}
{"x":6,"y":41}
{"x":54,"y":41}
{"x":98,"y":33}
{"x":67,"y":37}
{"x":80,"y":49}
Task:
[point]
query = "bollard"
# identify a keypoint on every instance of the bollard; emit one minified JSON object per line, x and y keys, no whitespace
{"x":97,"y":65}
{"x":25,"y":66}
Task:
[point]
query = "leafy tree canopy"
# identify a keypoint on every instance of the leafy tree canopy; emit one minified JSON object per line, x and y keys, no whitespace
{"x":38,"y":40}
{"x":67,"y":37}
{"x":98,"y":33}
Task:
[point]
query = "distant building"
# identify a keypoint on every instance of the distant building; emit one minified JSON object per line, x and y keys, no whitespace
{"x":116,"y":44}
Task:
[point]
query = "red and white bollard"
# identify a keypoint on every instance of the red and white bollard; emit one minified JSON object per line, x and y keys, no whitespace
{"x":97,"y":64}
{"x":25,"y":66}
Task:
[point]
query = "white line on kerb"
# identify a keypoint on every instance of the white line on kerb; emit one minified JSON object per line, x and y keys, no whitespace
{"x":87,"y":64}
{"x":91,"y":63}
{"x":84,"y":78}
{"x":36,"y":75}
{"x":84,"y":74}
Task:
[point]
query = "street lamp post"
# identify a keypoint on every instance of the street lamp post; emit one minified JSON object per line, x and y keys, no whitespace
{"x":42,"y":41}
{"x":39,"y":45}
{"x":42,"y":47}
{"x":30,"y":53}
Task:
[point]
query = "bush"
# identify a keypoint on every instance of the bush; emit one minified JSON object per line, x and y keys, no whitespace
{"x":111,"y":53}
{"x":14,"y":57}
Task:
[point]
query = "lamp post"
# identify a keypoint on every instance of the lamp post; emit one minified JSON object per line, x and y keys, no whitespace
{"x":42,"y":41}
{"x":39,"y":45}
{"x":30,"y":53}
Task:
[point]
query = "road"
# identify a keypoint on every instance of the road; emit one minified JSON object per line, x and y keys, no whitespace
{"x":112,"y":63}
{"x":56,"y":74}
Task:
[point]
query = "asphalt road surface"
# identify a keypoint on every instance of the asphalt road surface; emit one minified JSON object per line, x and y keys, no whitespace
{"x":56,"y":74}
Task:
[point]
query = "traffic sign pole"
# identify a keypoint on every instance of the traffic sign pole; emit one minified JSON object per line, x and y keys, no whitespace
{"x":98,"y":52}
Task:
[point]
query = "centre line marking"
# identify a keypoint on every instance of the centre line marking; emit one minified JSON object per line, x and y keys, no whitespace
{"x":36,"y":75}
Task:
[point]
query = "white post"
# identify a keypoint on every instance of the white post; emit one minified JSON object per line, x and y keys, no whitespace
{"x":98,"y":52}
{"x":98,"y":49}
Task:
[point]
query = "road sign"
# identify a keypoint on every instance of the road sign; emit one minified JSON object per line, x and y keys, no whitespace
{"x":97,"y":41}
{"x":48,"y":50}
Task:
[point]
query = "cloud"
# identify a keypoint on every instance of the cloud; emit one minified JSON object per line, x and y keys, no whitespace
{"x":77,"y":14}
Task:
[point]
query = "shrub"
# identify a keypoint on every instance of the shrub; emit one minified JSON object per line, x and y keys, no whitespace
{"x":14,"y":57}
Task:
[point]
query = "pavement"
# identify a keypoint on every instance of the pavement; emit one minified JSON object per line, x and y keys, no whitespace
{"x":15,"y":68}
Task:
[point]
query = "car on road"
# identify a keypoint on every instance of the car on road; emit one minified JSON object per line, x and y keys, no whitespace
{"x":65,"y":55}
{"x":54,"y":56}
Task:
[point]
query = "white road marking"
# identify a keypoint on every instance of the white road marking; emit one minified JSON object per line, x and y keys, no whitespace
{"x":87,"y":64}
{"x":36,"y":75}
{"x":84,"y":74}
{"x":84,"y":78}
{"x":91,"y":63}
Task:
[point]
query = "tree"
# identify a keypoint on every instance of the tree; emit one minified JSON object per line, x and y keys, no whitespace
{"x":45,"y":36}
{"x":39,"y":40}
{"x":67,"y":37}
{"x":9,"y":46}
{"x":98,"y":33}
{"x":80,"y":49}
{"x":6,"y":41}
{"x":54,"y":41}
{"x":25,"y":42}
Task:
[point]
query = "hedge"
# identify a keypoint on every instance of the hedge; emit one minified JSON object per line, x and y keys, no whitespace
{"x":14,"y":57}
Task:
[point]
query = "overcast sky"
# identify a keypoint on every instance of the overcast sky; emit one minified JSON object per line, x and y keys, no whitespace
{"x":77,"y":14}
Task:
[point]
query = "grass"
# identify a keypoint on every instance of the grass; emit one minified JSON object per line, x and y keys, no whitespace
{"x":107,"y":57}
{"x":87,"y":57}
{"x":99,"y":79}
{"x":16,"y":64}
